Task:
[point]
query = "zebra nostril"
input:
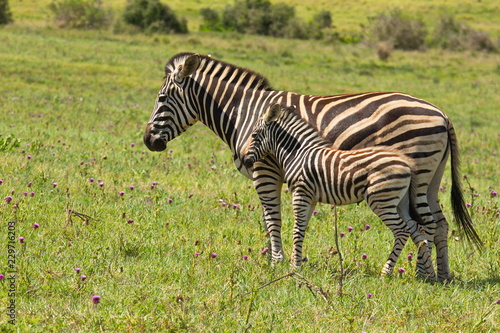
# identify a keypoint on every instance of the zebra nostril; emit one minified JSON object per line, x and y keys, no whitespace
{"x":248,"y":161}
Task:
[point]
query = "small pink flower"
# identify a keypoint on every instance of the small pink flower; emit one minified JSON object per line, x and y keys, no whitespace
{"x":32,"y":194}
{"x":91,"y":180}
{"x":8,"y":199}
{"x":1,"y":277}
{"x":367,"y":227}
{"x":245,"y":257}
{"x":121,"y":193}
{"x":493,"y":194}
{"x":369,"y":295}
{"x":468,"y":205}
{"x":36,"y":225}
{"x":29,"y":157}
{"x":54,"y":185}
{"x":410,"y":256}
{"x":29,"y":184}
{"x":214,"y":255}
{"x":131,"y":187}
{"x":101,"y":184}
{"x":315,"y":212}
{"x":342,"y":234}
{"x":364,"y":256}
{"x":170,"y":200}
{"x":349,"y":229}
{"x":21,"y":240}
{"x":130,"y":221}
{"x":401,"y":270}
{"x":77,"y":270}
{"x":96,"y":299}
{"x":264,"y":251}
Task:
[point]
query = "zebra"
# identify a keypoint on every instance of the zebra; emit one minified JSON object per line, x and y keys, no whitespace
{"x":228,"y":99}
{"x":316,"y":173}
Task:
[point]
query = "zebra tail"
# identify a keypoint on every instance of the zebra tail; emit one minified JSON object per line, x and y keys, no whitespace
{"x":462,"y":217}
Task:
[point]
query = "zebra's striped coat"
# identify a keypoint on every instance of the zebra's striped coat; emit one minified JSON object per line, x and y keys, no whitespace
{"x":229,"y":99}
{"x":316,"y":173}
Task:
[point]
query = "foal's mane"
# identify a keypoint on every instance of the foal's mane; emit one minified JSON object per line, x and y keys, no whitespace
{"x":221,"y":69}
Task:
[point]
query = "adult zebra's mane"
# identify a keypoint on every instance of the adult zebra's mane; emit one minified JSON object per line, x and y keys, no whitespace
{"x":222,"y":70}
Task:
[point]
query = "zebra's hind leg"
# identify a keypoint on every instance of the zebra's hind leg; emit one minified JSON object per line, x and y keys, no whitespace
{"x":400,"y":237}
{"x":441,"y":235}
{"x":425,"y":269}
{"x":303,"y":206}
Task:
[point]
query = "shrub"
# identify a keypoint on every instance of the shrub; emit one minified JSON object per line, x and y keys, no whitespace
{"x":403,"y":32}
{"x":80,"y":14}
{"x":153,"y":16}
{"x":453,"y":35}
{"x":263,"y":18}
{"x":5,"y":14}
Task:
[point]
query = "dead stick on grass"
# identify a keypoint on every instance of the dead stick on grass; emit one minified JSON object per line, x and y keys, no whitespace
{"x":341,"y":259}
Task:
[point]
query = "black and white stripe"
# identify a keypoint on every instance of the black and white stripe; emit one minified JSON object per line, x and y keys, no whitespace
{"x":229,"y":99}
{"x":316,"y":173}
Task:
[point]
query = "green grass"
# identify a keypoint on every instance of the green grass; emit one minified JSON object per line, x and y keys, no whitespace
{"x":77,"y":103}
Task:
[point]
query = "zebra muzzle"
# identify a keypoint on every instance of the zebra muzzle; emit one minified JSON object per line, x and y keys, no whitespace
{"x":248,"y":161}
{"x":153,"y":141}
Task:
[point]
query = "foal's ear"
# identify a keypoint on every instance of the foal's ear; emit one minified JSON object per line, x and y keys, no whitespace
{"x":189,"y":67}
{"x":272,"y":113}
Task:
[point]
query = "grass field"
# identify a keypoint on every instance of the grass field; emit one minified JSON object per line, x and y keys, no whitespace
{"x":172,"y":241}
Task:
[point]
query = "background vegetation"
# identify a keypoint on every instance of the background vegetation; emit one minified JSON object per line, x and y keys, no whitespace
{"x":172,"y":241}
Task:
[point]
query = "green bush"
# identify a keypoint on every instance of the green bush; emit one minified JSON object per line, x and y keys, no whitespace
{"x":5,"y":14}
{"x":80,"y":14}
{"x":260,"y":17}
{"x":453,"y":35}
{"x":153,"y":16}
{"x":402,"y":32}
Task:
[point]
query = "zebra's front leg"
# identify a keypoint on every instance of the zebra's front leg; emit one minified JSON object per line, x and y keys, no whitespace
{"x":303,"y":206}
{"x":268,"y":185}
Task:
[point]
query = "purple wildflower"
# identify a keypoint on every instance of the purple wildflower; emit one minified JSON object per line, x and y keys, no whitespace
{"x":493,"y":193}
{"x":170,"y":200}
{"x":83,"y":277}
{"x":101,"y":184}
{"x":364,"y":256}
{"x":410,"y":256}
{"x":8,"y":199}
{"x":401,"y":270}
{"x":36,"y":225}
{"x":342,"y":234}
{"x":91,"y":180}
{"x":21,"y":240}
{"x":1,"y":277}
{"x":369,"y":295}
{"x":367,"y":226}
{"x":54,"y":185}
{"x":245,"y":257}
{"x":214,"y":255}
{"x":468,"y":205}
{"x":96,"y":299}
{"x":29,"y":184}
{"x":77,"y":270}
{"x":131,"y":187}
{"x":121,"y":193}
{"x":349,"y":229}
{"x":264,"y":251}
{"x":32,"y":194}
{"x":130,"y":221}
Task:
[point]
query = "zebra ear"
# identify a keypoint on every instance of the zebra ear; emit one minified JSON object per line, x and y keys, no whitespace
{"x":272,"y":113}
{"x":189,"y":67}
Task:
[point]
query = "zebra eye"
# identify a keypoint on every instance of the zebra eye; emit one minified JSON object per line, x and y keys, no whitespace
{"x":162,"y":98}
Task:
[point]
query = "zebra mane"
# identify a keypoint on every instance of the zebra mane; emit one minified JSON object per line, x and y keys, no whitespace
{"x":222,"y":70}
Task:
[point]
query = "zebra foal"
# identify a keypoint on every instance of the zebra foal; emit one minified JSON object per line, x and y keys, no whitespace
{"x":316,"y":173}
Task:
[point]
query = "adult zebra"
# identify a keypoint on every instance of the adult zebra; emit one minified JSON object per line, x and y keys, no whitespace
{"x":314,"y":172}
{"x":229,"y":99}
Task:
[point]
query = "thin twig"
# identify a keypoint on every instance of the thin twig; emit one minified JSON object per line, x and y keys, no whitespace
{"x":341,"y":259}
